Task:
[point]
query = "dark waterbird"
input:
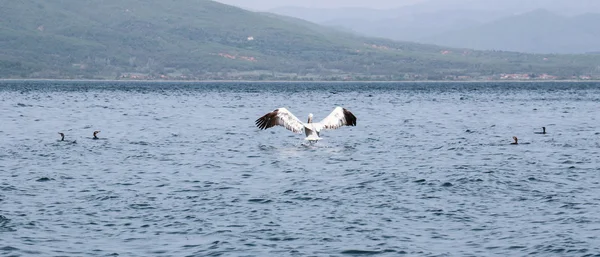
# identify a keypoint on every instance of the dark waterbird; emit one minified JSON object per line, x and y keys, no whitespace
{"x":543,"y":131}
{"x":62,"y":138}
{"x":516,"y":142}
{"x":96,"y":133}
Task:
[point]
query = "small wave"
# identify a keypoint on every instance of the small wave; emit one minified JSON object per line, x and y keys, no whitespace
{"x":141,"y":206}
{"x":366,"y":252}
{"x":260,"y":200}
{"x":140,"y":143}
{"x":5,"y":225}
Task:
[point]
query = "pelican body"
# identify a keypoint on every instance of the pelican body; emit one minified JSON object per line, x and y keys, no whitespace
{"x":282,"y":117}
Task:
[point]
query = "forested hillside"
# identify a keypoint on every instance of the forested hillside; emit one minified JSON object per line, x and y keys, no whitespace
{"x":201,"y":39}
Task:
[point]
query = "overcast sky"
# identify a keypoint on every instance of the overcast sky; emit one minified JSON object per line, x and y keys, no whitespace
{"x":269,"y":4}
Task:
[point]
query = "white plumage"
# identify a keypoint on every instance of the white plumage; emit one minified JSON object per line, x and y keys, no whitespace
{"x":282,"y":117}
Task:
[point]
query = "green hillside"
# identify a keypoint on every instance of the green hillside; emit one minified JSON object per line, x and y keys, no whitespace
{"x":201,"y":39}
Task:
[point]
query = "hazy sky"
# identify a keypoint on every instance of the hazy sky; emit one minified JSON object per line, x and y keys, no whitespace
{"x":269,"y":4}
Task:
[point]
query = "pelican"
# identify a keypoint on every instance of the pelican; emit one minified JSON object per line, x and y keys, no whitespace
{"x":282,"y":117}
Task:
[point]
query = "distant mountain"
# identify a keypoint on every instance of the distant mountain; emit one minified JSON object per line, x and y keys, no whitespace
{"x":470,"y":9}
{"x":201,"y":39}
{"x":539,"y":31}
{"x":416,"y":26}
{"x":321,"y":15}
{"x":562,"y":7}
{"x":435,"y":20}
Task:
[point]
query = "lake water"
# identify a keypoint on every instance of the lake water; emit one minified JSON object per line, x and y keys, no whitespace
{"x":181,"y":170}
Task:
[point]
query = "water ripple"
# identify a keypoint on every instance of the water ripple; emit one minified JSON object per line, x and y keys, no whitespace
{"x":180,"y":170}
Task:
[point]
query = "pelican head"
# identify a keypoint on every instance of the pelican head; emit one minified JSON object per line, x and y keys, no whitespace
{"x":310,"y":116}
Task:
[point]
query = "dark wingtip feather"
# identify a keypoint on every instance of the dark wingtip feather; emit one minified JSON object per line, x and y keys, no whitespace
{"x":350,"y":118}
{"x":264,"y":122}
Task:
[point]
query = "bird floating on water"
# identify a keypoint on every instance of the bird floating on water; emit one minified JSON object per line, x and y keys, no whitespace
{"x":543,"y":131}
{"x":62,"y":138}
{"x":95,"y":133}
{"x":282,"y":117}
{"x":517,"y":142}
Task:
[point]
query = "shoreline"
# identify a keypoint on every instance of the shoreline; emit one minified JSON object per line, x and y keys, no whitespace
{"x":300,"y":81}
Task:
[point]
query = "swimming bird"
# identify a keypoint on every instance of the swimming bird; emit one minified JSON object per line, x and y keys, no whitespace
{"x":282,"y":117}
{"x":95,"y":133}
{"x":516,"y":141}
{"x":543,"y":131}
{"x":62,"y":138}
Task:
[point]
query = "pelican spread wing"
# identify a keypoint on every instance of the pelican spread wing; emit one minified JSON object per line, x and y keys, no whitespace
{"x":280,"y":117}
{"x":337,"y":118}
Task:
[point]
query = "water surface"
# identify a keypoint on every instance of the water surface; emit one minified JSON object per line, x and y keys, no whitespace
{"x":181,"y":170}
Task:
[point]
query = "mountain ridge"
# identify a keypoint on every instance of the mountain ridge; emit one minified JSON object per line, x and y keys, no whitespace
{"x":538,"y":31}
{"x":432,"y":21}
{"x":200,"y":39}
